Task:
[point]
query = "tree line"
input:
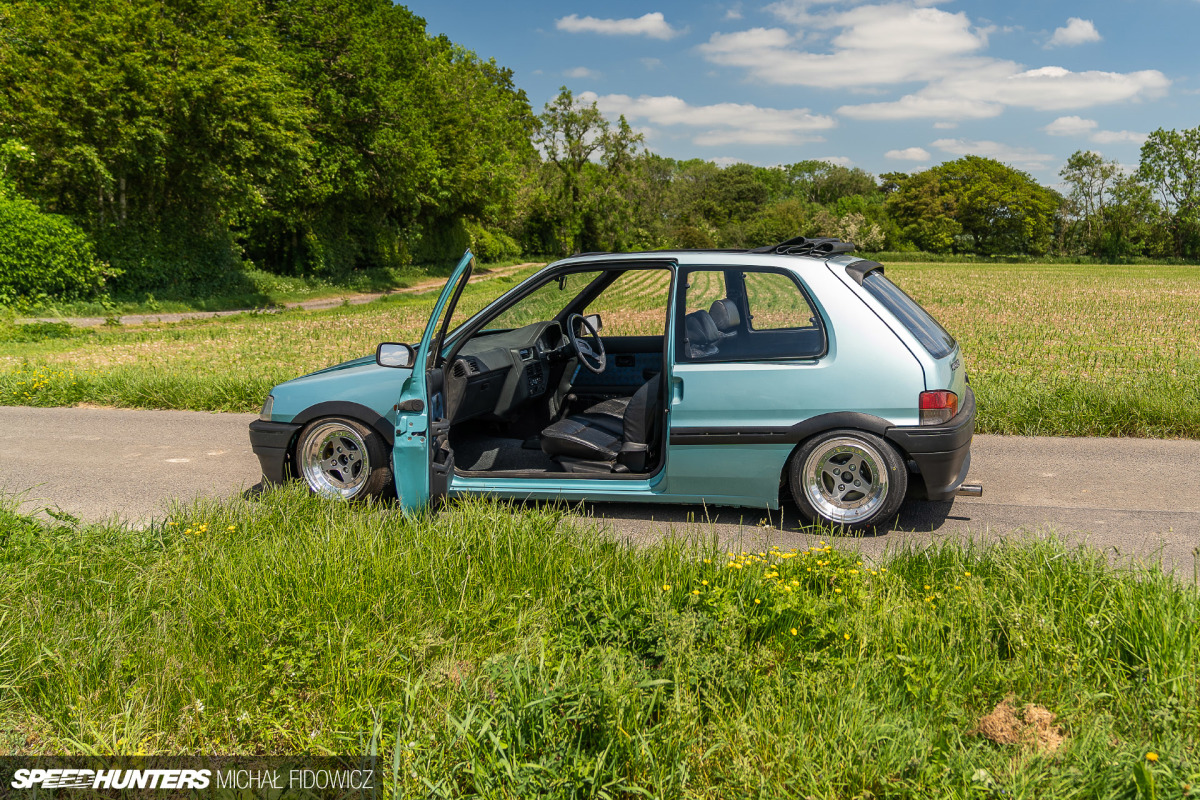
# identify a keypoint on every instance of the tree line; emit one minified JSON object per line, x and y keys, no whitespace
{"x":159,"y":143}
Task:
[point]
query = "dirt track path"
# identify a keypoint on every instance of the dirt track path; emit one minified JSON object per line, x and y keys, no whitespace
{"x":308,"y":305}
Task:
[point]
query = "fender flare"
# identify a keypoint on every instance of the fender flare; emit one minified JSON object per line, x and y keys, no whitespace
{"x":356,"y":411}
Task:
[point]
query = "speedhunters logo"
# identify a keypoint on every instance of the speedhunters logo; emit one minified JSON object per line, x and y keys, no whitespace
{"x":111,"y":779}
{"x":190,"y":776}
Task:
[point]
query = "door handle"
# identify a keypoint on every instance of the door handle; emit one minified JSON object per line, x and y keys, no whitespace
{"x":676,"y":391}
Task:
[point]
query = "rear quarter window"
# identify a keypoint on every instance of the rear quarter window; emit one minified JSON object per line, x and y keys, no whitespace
{"x":919,"y":322}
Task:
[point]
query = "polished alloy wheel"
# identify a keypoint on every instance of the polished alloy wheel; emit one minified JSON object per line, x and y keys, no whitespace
{"x":845,"y":479}
{"x":333,"y":460}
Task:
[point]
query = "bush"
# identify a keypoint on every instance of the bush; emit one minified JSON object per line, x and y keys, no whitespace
{"x":491,"y":245}
{"x":173,"y":255}
{"x":45,"y":255}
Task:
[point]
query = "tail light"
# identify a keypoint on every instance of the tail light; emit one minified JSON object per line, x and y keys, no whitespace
{"x":937,"y":407}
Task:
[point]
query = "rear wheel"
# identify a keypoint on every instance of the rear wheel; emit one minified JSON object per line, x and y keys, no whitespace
{"x":340,"y":457}
{"x":848,"y":478}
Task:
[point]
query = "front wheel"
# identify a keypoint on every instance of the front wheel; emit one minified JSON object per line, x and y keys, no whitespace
{"x":343,"y":458}
{"x":848,"y":478}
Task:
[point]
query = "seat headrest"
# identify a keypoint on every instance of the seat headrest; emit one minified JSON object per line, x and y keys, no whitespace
{"x":725,"y":314}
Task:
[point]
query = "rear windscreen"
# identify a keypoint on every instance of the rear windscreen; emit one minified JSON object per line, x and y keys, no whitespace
{"x":929,"y":333}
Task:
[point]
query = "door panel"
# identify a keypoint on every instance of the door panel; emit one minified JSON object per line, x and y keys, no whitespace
{"x":632,"y":360}
{"x":421,"y":458}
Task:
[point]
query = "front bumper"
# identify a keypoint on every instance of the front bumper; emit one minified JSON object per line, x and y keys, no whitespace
{"x":942,"y":452}
{"x":270,"y":442}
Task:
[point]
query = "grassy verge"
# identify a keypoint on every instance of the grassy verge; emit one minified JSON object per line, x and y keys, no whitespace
{"x":507,"y":652}
{"x":1051,"y":349}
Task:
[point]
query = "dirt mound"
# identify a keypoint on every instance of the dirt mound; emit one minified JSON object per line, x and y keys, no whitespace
{"x":1033,"y":727}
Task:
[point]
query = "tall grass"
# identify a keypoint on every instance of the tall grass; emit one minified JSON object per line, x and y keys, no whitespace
{"x":499,"y":651}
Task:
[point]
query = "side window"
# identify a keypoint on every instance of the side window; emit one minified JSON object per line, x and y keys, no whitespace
{"x":544,"y":302}
{"x":776,"y":303}
{"x":635,"y":304}
{"x":746,"y":315}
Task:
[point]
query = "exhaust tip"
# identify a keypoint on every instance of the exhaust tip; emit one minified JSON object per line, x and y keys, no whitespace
{"x":970,"y":490}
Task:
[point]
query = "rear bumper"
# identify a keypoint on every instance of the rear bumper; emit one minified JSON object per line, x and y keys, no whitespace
{"x":270,"y":442}
{"x":943,"y":452}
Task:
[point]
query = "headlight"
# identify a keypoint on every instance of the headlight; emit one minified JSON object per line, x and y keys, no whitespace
{"x":265,"y":414}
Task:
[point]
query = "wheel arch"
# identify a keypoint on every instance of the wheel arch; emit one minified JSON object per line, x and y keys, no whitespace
{"x":824,"y":423}
{"x":355,"y":411}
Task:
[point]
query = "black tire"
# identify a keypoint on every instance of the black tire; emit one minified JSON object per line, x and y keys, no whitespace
{"x":825,"y":477}
{"x":343,"y":458}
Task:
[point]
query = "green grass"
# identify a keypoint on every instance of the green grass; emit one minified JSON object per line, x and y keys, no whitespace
{"x":1051,"y":349}
{"x":500,"y":651}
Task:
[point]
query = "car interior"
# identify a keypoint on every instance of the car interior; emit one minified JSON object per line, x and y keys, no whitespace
{"x":566,"y":380}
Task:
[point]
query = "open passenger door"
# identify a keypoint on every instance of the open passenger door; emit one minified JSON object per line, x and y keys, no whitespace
{"x":422,"y":459}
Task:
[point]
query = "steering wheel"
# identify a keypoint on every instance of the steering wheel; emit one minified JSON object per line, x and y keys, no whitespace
{"x":589,"y":348}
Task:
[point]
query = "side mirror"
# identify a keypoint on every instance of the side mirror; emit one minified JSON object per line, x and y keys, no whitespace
{"x":595,"y":322}
{"x":392,"y":354}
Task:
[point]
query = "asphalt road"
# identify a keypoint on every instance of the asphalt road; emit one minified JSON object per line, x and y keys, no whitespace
{"x":1133,"y":498}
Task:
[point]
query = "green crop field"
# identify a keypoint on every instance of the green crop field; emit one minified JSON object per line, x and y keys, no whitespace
{"x":1051,"y":348}
{"x":497,"y":651}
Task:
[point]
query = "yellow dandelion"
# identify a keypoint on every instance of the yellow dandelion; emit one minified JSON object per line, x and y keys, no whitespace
{"x":846,"y":636}
{"x":1152,"y":757}
{"x":796,"y":582}
{"x":233,"y":527}
{"x":793,"y":631}
{"x":666,"y":587}
{"x":967,"y":574}
{"x":853,"y":572}
{"x":704,"y":583}
{"x":708,"y":561}
{"x":757,"y":601}
{"x":957,"y":587}
{"x":839,"y":591}
{"x":928,"y":587}
{"x":739,"y":566}
{"x":695,"y":591}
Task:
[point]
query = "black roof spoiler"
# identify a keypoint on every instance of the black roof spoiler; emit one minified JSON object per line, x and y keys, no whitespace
{"x":860,"y":269}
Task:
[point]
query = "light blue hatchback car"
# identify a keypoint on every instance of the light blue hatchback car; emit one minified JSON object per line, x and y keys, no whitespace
{"x":727,"y":377}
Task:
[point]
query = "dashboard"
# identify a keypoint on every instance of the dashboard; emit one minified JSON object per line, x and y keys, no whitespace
{"x":495,"y":373}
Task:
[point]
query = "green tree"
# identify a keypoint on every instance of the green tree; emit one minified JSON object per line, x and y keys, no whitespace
{"x":925,"y":207}
{"x":1170,"y":163}
{"x":588,"y":173}
{"x":1091,"y":180}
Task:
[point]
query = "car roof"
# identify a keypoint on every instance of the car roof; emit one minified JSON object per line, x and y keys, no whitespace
{"x":790,"y":253}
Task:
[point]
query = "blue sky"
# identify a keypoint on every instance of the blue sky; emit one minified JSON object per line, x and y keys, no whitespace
{"x":880,"y":85}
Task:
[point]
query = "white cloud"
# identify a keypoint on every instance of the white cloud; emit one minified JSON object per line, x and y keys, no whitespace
{"x":1004,"y":84}
{"x":945,"y":126}
{"x":1120,"y":137}
{"x":838,"y":161}
{"x":1077,"y":31}
{"x":1078,"y":126}
{"x":1070,"y":126}
{"x":912,"y":106}
{"x":909,"y":154}
{"x":580,"y":72}
{"x":725,"y":161}
{"x":651,"y":63}
{"x":721,"y":123}
{"x":653,"y":25}
{"x":1026,"y":158}
{"x":875,"y":46}
{"x":734,"y":11}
